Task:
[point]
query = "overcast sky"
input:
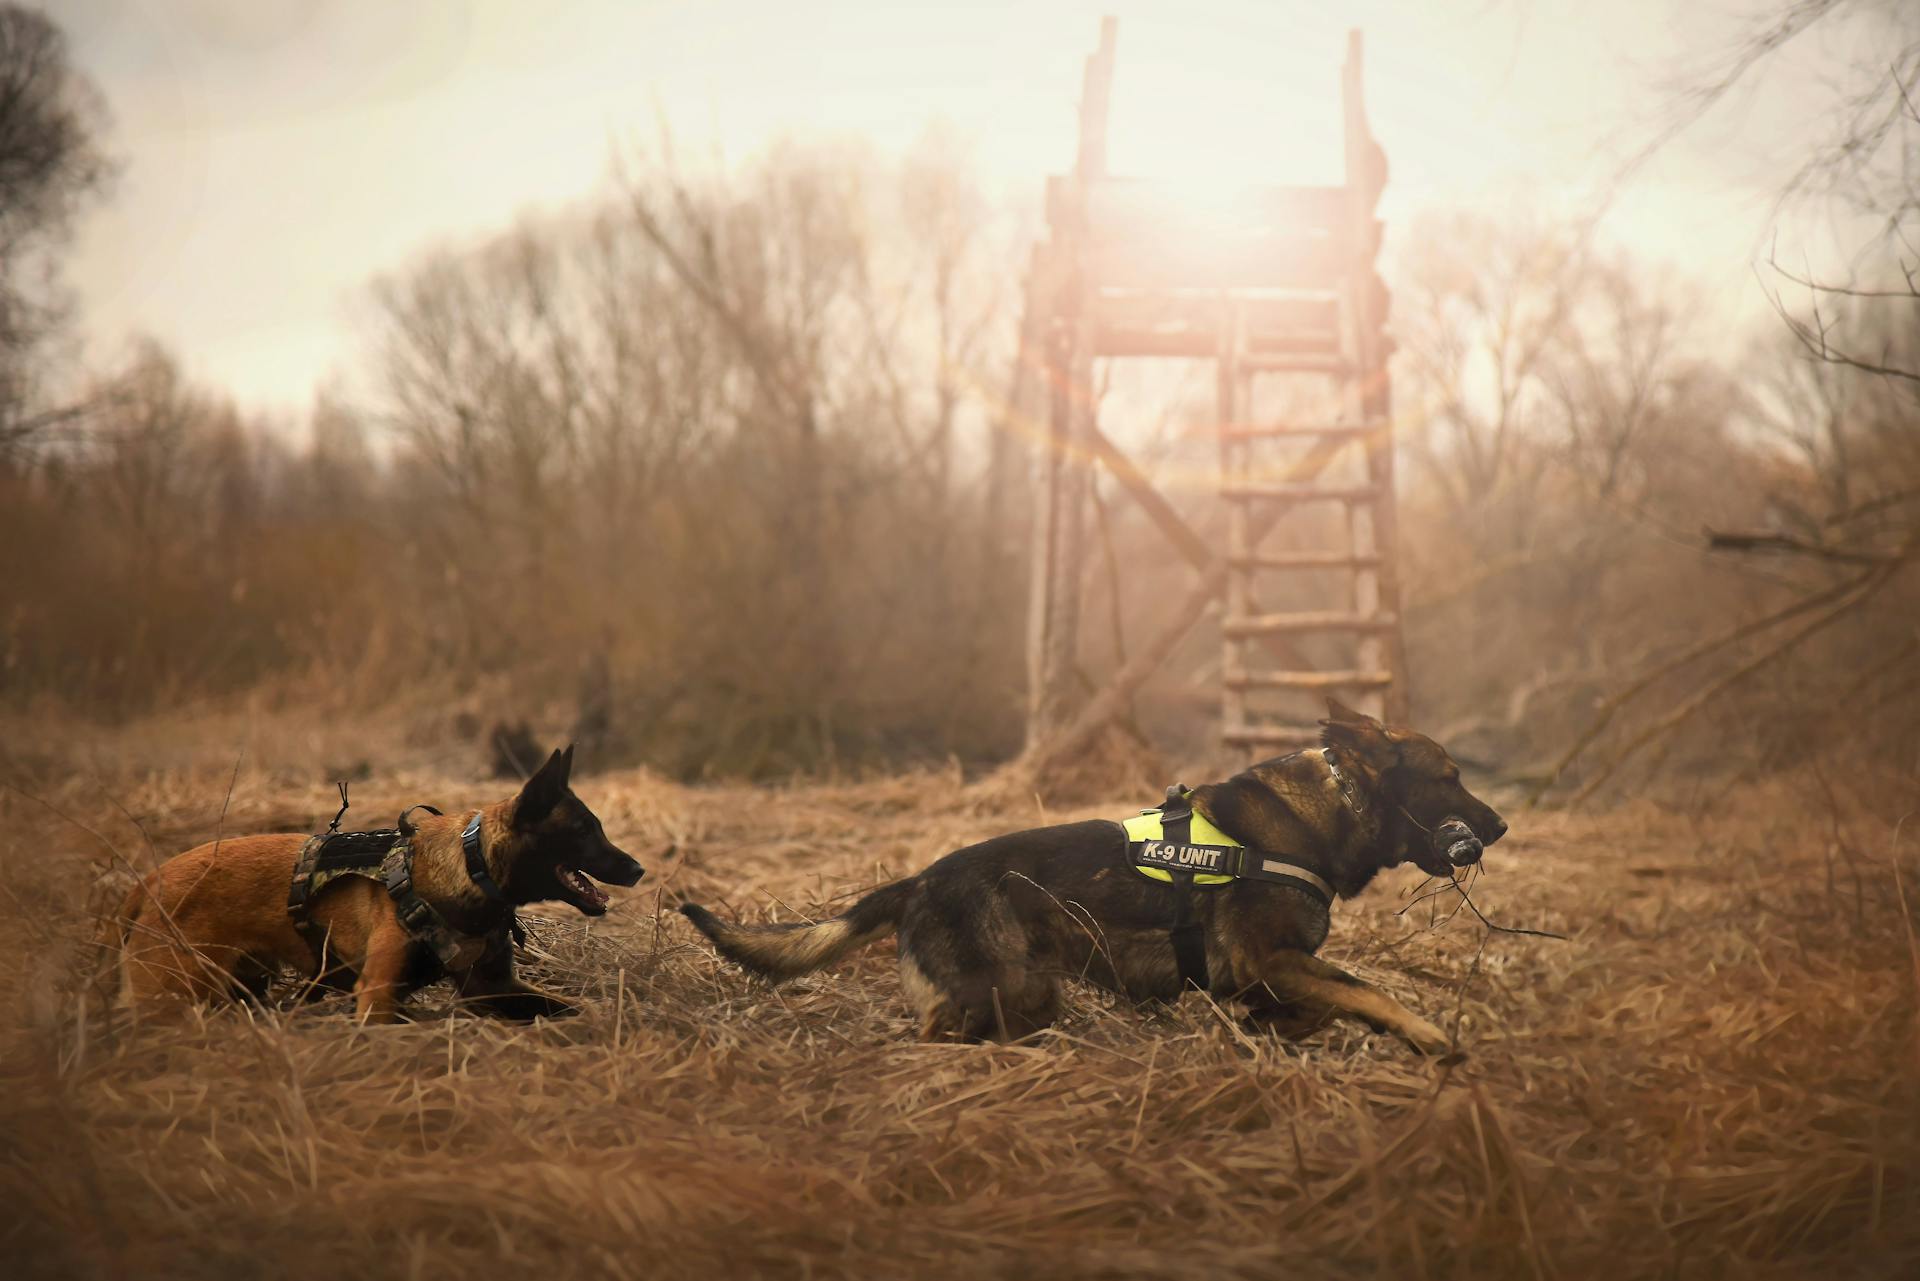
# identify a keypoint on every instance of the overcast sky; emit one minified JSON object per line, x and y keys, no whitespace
{"x":278,"y":154}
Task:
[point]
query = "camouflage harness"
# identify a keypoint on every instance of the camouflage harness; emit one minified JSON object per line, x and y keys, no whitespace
{"x":386,"y":856}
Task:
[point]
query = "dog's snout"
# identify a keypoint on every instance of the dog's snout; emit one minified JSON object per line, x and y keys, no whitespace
{"x":617,"y":867}
{"x":1497,"y":830}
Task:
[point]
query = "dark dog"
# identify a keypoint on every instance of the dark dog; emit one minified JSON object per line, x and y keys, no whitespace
{"x":214,"y":921}
{"x":988,"y":932}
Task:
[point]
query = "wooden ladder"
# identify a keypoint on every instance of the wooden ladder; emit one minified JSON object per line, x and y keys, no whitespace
{"x":1269,"y":470}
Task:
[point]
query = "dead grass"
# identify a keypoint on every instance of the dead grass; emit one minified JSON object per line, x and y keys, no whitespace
{"x":1714,"y":1076}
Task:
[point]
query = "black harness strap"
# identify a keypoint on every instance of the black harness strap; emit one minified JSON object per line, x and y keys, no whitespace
{"x":477,"y":861}
{"x":416,"y":915}
{"x":1189,"y":942}
{"x":477,"y":873}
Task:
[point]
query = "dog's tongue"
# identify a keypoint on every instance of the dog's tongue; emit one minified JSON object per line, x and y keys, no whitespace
{"x":577,"y":881}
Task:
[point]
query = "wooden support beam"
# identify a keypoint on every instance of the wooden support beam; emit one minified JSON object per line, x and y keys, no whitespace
{"x":1059,"y":305}
{"x":1297,"y":362}
{"x":1352,"y":679}
{"x":1232,"y":404}
{"x":1305,"y":560}
{"x":1172,"y":524}
{"x":1327,"y":431}
{"x":1158,"y":510}
{"x":1365,"y":304}
{"x":1112,"y":699}
{"x":1300,"y":493}
{"x":1096,"y":92}
{"x":1294,"y":736}
{"x":1062,"y":480}
{"x":1318,"y":620}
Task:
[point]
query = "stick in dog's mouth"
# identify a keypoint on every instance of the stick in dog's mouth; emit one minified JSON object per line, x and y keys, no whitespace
{"x":580,"y":891}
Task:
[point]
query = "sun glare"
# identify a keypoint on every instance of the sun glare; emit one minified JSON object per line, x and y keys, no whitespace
{"x":1169,"y":121}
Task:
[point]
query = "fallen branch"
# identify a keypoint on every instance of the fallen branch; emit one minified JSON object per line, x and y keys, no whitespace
{"x":1863,"y":592}
{"x":1734,"y":541}
{"x":1611,"y":706}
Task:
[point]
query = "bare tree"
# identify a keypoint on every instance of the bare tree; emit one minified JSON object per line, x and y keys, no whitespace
{"x":50,"y":162}
{"x":1477,"y":315}
{"x":1844,"y":396}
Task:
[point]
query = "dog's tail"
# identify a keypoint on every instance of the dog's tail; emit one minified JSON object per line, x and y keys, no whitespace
{"x":787,"y":951}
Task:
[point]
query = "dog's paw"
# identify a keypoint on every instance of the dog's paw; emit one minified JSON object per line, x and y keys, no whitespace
{"x":1427,"y":1038}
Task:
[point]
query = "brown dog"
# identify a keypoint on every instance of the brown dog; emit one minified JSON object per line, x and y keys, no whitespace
{"x":988,"y":933}
{"x":214,"y":922}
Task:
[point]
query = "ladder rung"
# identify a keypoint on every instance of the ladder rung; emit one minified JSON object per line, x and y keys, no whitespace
{"x":1273,"y":735}
{"x":1309,"y":680}
{"x":1327,"y":431}
{"x":1293,"y":362}
{"x":1300,"y":493}
{"x":1304,"y":560}
{"x":1329,"y":621}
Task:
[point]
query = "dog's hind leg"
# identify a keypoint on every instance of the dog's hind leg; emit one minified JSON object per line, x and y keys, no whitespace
{"x":157,"y":974}
{"x":159,"y":966}
{"x":963,"y":995}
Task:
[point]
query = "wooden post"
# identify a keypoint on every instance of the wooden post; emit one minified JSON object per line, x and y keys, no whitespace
{"x":1231,"y":406}
{"x":1377,"y":590}
{"x":1064,"y":458}
{"x":1016,"y":420}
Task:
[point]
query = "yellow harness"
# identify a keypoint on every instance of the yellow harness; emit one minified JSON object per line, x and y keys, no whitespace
{"x":1147,"y":827}
{"x":1196,"y":853}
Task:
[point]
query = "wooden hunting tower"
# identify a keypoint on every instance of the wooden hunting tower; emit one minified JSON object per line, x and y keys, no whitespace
{"x":1282,"y":287}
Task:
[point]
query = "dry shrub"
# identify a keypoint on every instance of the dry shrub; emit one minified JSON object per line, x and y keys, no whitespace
{"x":1712,"y":1075}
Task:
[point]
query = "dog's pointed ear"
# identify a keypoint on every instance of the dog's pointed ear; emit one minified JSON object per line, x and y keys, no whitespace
{"x":543,"y":791}
{"x":1339,"y":713}
{"x":1358,"y":733}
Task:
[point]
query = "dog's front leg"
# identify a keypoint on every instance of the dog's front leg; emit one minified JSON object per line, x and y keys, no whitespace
{"x":491,"y":988}
{"x":1297,"y":977}
{"x":376,"y":993}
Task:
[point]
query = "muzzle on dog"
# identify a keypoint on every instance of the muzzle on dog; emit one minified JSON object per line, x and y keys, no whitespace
{"x":1454,"y":841}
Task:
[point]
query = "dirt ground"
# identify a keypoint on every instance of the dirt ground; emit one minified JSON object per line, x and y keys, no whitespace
{"x":1714,"y":1074}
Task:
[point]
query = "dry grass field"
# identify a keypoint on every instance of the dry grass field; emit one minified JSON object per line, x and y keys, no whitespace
{"x":1715,"y":1073}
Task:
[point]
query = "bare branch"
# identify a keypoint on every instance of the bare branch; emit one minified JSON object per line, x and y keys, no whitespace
{"x":1863,"y":591}
{"x":1731,"y":541}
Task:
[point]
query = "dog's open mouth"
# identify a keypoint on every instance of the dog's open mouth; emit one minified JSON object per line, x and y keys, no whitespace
{"x":576,"y":889}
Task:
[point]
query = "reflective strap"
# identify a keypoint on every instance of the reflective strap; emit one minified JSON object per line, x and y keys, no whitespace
{"x":1273,"y":869}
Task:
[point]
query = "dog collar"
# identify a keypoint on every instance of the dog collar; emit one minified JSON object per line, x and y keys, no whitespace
{"x":477,"y":861}
{"x":1348,"y":792}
